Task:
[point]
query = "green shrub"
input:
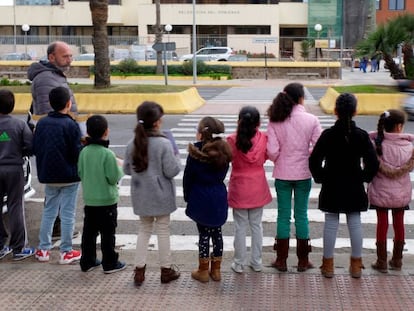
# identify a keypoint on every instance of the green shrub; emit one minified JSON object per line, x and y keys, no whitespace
{"x":7,"y":82}
{"x":128,"y":65}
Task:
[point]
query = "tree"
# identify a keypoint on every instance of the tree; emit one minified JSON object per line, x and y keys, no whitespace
{"x":158,"y":31}
{"x":99,"y":11}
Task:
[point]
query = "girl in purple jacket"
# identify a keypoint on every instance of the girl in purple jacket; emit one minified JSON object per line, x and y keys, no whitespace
{"x":248,"y":187}
{"x":391,"y":187}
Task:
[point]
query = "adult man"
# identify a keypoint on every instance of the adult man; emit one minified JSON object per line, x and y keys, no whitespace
{"x":45,"y":76}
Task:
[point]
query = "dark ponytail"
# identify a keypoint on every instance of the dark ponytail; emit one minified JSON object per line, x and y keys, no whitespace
{"x":387,"y":122}
{"x":283,"y":103}
{"x":345,"y":109}
{"x":249,"y":120}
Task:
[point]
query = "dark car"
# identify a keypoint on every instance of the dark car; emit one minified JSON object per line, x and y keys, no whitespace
{"x":28,"y":190}
{"x":16,"y":56}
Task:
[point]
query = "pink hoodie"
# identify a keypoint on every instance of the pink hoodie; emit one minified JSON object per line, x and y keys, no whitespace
{"x":248,"y":187}
{"x":290,"y":143}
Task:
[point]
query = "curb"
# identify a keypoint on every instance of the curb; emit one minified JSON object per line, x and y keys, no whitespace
{"x":368,"y":104}
{"x":173,"y":103}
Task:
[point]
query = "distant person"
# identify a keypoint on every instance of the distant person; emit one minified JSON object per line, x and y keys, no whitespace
{"x":206,"y":194}
{"x":15,"y":143}
{"x":99,"y":173}
{"x":248,"y":188}
{"x":150,"y":160}
{"x":374,"y":63}
{"x":56,"y":145}
{"x":45,"y":76}
{"x":342,"y":160}
{"x":291,"y":134}
{"x":391,"y":188}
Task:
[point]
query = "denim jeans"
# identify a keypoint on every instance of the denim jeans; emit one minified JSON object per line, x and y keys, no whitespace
{"x":58,"y":200}
{"x":244,"y":219}
{"x":301,"y":190}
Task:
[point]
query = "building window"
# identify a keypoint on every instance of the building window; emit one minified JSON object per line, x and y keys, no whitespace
{"x":396,"y":4}
{"x":378,"y":4}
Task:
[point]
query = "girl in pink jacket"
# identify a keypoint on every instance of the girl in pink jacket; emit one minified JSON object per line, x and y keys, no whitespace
{"x":248,"y":189}
{"x":391,"y":187}
{"x":291,"y":134}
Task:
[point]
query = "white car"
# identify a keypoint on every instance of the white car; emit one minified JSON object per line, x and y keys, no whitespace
{"x":213,"y":53}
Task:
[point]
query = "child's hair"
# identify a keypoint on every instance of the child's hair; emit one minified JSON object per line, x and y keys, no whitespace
{"x":249,"y":120}
{"x":6,"y":101}
{"x":215,"y":149}
{"x":345,"y":108}
{"x":387,"y":122}
{"x":96,"y":126}
{"x":283,"y":103}
{"x":147,"y":114}
{"x":58,"y":98}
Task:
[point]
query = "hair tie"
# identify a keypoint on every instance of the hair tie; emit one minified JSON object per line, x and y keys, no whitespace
{"x":141,"y":121}
{"x":217,"y":135}
{"x":386,"y":113}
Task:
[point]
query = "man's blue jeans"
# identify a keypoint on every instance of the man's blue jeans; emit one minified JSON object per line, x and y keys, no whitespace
{"x":59,"y":200}
{"x":300,"y":190}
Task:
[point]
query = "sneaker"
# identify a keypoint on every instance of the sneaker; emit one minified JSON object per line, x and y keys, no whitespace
{"x":237,"y":267}
{"x":42,"y":255}
{"x":56,"y":236}
{"x":97,"y":264}
{"x":256,"y":268}
{"x":119,"y":266}
{"x":69,"y":257}
{"x":5,"y":251}
{"x":24,"y":253}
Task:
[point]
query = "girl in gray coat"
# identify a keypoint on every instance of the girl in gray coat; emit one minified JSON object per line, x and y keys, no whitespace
{"x":150,"y":161}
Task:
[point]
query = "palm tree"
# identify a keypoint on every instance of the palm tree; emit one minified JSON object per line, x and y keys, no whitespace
{"x":158,"y":31}
{"x":99,"y":11}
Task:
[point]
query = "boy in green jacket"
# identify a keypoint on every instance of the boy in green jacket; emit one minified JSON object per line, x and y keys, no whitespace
{"x":100,"y":173}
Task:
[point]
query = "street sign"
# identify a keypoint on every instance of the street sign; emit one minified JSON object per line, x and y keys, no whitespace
{"x":265,"y":40}
{"x":164,"y":46}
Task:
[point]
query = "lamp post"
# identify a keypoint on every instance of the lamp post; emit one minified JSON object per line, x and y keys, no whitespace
{"x":318,"y":29}
{"x":194,"y":43}
{"x":167,"y":29}
{"x":25,"y":28}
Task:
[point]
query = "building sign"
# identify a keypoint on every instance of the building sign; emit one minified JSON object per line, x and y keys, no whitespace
{"x":265,"y":40}
{"x":321,"y":44}
{"x":211,"y":12}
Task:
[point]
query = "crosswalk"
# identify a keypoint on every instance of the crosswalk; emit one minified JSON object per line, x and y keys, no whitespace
{"x":185,"y":133}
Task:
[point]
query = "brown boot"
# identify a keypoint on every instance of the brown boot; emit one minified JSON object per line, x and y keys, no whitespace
{"x":381,"y":263}
{"x":139,"y":275}
{"x":303,"y":248}
{"x":169,"y":274}
{"x":396,"y":260}
{"x":327,"y":268}
{"x":202,"y":273}
{"x":356,"y":267}
{"x":282,"y":251}
{"x":215,"y":268}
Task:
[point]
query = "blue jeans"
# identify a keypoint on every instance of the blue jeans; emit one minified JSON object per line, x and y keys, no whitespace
{"x":301,"y":190}
{"x":59,"y":200}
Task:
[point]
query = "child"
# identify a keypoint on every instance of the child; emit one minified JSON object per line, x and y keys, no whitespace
{"x":151,"y":162}
{"x":206,"y":194}
{"x":248,"y":187}
{"x":56,"y":144}
{"x":291,"y":134}
{"x":391,"y":187}
{"x":99,"y":174}
{"x":15,"y":142}
{"x":342,"y":160}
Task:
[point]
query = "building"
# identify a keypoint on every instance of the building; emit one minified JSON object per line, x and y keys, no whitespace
{"x":387,"y":9}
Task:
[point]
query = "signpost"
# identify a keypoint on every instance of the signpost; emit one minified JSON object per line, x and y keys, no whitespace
{"x":265,"y":40}
{"x":164,"y":47}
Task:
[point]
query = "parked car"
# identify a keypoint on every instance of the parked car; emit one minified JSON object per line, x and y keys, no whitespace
{"x":28,"y":190}
{"x":86,"y":56}
{"x":16,"y":56}
{"x":213,"y":53}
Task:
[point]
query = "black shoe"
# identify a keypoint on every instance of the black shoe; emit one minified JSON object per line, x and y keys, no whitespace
{"x":97,"y":264}
{"x":119,"y":266}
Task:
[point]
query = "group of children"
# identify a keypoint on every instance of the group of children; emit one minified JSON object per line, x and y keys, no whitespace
{"x":294,"y":142}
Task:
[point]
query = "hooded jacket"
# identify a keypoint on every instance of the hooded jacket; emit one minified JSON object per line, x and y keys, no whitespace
{"x":391,"y":187}
{"x":248,"y":187}
{"x":45,"y":77}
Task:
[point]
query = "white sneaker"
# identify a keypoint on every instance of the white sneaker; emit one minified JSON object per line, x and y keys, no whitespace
{"x":237,"y":267}
{"x":256,"y":268}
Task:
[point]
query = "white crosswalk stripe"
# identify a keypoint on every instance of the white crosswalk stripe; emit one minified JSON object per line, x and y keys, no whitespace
{"x":185,"y":133}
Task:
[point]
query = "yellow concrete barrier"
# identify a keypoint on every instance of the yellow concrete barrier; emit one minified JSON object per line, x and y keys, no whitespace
{"x":368,"y":104}
{"x":173,"y":103}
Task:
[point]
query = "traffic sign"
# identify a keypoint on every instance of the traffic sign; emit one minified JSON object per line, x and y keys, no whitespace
{"x":164,"y":46}
{"x":265,"y":40}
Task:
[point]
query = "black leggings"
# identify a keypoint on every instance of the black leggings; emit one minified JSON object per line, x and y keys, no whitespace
{"x":205,"y":233}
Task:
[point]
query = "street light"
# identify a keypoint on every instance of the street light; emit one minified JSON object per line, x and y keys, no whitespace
{"x":168,"y":29}
{"x":318,"y":29}
{"x":25,"y":28}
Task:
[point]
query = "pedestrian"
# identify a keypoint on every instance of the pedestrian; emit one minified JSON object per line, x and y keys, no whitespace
{"x":291,"y":134}
{"x":100,"y":173}
{"x":56,"y":145}
{"x":374,"y":63}
{"x":150,"y":160}
{"x":206,"y":194}
{"x":343,"y":160}
{"x":15,"y":143}
{"x":45,"y":76}
{"x":248,"y":188}
{"x":391,"y":187}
